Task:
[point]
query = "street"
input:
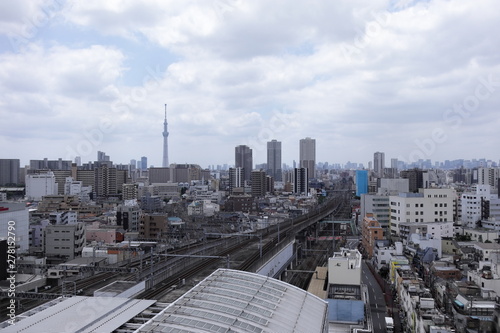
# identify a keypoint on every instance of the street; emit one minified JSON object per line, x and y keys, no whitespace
{"x":377,"y":302}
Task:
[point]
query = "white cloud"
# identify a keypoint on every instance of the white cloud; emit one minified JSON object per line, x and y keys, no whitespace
{"x":374,"y":78}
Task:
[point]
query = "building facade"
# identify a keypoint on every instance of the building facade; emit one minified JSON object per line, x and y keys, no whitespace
{"x":379,"y":164}
{"x":300,"y":180}
{"x":371,"y":233}
{"x":64,"y":240}
{"x":16,"y":215}
{"x":9,"y":171}
{"x":429,"y":205}
{"x":307,"y":156}
{"x":274,"y":160}
{"x":40,"y":185}
{"x":243,"y":159}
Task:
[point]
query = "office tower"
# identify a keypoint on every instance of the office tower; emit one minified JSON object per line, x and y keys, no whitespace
{"x":379,"y":164}
{"x":300,"y":183}
{"x":243,"y":159}
{"x":9,"y":171}
{"x":274,"y":160}
{"x":308,"y":156}
{"x":416,"y":179}
{"x":144,"y":163}
{"x":394,"y":163}
{"x":258,"y":183}
{"x":102,"y":157}
{"x":165,"y":140}
{"x":78,"y":161}
{"x":361,"y":182}
{"x":235,"y":178}
{"x":47,"y":164}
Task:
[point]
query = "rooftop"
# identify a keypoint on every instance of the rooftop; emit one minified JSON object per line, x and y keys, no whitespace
{"x":241,"y":301}
{"x":78,"y":314}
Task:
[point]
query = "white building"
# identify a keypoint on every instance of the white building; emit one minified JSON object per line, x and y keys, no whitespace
{"x":427,"y":230}
{"x":379,"y":206}
{"x":128,"y":215}
{"x":347,"y":267}
{"x":487,"y":275}
{"x":66,"y":217}
{"x":40,"y":185}
{"x":382,"y":254}
{"x":64,"y":240}
{"x":74,"y":187}
{"x":480,"y":235}
{"x":471,"y":203}
{"x":17,"y":216}
{"x":203,"y":208}
{"x":430,"y":204}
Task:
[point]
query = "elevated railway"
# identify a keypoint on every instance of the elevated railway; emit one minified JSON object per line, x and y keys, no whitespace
{"x":164,"y":271}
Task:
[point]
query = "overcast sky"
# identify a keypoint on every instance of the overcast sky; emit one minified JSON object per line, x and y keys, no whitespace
{"x":411,"y":79}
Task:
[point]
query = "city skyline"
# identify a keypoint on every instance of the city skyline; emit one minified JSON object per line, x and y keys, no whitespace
{"x":393,"y":77}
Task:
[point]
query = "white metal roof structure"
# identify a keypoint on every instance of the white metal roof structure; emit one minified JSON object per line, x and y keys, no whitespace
{"x":79,"y":314}
{"x":237,"y":301}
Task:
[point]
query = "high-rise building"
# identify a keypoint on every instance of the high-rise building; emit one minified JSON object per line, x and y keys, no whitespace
{"x":144,"y":163}
{"x":243,"y":159}
{"x":258,"y":183}
{"x":9,"y":171}
{"x":300,"y":183}
{"x":235,"y":178}
{"x":102,"y":157}
{"x":307,"y":154}
{"x":361,"y":182}
{"x":274,"y":160}
{"x":379,"y":164}
{"x":165,"y":141}
{"x":47,"y":164}
{"x":394,"y":163}
{"x":416,"y":179}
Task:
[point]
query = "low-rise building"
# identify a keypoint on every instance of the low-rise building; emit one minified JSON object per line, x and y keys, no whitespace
{"x":371,"y":232}
{"x":64,"y":240}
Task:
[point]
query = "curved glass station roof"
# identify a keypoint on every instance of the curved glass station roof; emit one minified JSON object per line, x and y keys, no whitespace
{"x":237,"y":301}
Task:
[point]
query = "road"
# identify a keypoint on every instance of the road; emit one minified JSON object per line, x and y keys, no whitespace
{"x":377,"y":302}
